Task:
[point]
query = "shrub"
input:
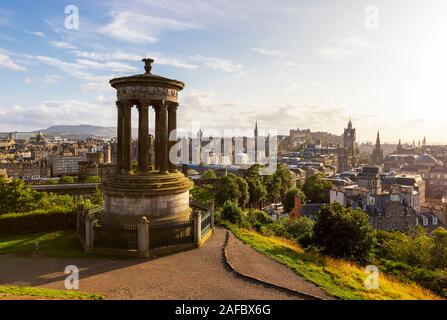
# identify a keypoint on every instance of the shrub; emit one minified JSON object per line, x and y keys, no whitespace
{"x":414,"y":248}
{"x":93,"y":179}
{"x":345,"y":233}
{"x":66,"y":179}
{"x":439,"y":251}
{"x":37,"y":221}
{"x":301,"y":229}
{"x":258,"y":218}
{"x":232,"y":213}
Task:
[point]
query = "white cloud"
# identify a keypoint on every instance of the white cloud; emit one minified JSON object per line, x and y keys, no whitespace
{"x":270,"y":52}
{"x":122,"y":56}
{"x":134,"y":27}
{"x":36,"y":33}
{"x":111,"y":66}
{"x":341,"y":48}
{"x":78,"y":70}
{"x":7,"y":63}
{"x":62,"y":45}
{"x":204,"y":108}
{"x":218,"y":63}
{"x":28,"y":80}
{"x":51,"y":112}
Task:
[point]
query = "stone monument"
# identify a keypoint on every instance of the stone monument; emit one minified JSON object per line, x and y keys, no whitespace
{"x":159,"y":192}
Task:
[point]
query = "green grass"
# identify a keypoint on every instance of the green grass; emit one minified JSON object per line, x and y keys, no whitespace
{"x":62,"y":244}
{"x":6,"y":291}
{"x":337,"y":277}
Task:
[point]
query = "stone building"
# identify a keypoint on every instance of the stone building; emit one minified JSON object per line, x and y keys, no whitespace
{"x":392,"y":202}
{"x":369,"y":178}
{"x":65,"y":166}
{"x":394,"y":214}
{"x":27,"y":170}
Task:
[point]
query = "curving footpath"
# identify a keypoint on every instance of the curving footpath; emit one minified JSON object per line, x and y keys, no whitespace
{"x":203,"y":273}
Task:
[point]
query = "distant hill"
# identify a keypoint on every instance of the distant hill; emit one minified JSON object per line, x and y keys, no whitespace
{"x":80,"y":131}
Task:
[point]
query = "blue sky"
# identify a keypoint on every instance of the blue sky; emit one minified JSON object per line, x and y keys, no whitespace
{"x":288,"y":64}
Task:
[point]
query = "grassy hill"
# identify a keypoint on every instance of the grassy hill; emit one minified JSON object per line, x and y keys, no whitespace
{"x":337,"y":277}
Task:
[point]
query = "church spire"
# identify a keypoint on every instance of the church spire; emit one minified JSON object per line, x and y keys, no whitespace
{"x":378,"y":139}
{"x":350,"y":123}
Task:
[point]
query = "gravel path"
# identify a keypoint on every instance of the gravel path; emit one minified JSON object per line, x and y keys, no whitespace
{"x":251,"y":263}
{"x":195,"y":274}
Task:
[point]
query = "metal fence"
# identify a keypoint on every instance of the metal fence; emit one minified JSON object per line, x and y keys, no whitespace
{"x":82,"y":225}
{"x":206,"y":221}
{"x":171,"y":233}
{"x":123,"y":237}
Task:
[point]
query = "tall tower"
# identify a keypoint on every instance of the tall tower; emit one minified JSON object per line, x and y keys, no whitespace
{"x":424,"y":142}
{"x":399,"y":147}
{"x":349,"y":137}
{"x":348,"y":154}
{"x":377,"y":155}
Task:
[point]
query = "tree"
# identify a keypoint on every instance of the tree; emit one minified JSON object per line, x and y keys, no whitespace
{"x":16,"y":196}
{"x":439,"y":251}
{"x":288,"y":202}
{"x":209,"y":174}
{"x":316,"y":189}
{"x":273,"y":186}
{"x":285,"y":176}
{"x":203,"y":193}
{"x":231,"y":212}
{"x":257,"y":190}
{"x":97,"y":197}
{"x":345,"y":233}
{"x":227,"y":189}
{"x":244,"y":197}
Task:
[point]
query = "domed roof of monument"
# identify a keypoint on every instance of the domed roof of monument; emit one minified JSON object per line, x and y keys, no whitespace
{"x":147,"y":78}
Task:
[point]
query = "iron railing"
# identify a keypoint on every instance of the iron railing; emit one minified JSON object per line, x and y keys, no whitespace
{"x":82,"y":225}
{"x":123,"y":237}
{"x":206,"y":221}
{"x":170,"y":233}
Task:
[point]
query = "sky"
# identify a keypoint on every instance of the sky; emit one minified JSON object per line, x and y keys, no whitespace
{"x":285,"y":63}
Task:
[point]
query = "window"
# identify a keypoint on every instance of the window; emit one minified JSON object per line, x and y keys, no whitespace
{"x":435,"y":221}
{"x":425,"y":221}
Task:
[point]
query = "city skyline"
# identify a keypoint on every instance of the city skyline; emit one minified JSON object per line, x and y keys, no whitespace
{"x":296,"y":64}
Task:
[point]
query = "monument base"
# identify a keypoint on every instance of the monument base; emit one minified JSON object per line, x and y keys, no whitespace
{"x":158,"y":197}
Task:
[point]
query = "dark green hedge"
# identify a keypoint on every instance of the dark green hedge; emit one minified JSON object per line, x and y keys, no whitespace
{"x":37,"y":221}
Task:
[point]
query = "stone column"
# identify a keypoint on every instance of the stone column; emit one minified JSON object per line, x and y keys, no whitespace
{"x":157,"y":138}
{"x":143,"y":238}
{"x":127,"y":136}
{"x":90,"y":223}
{"x":119,"y":135}
{"x":197,"y":227}
{"x":172,"y":126}
{"x":143,"y":136}
{"x":162,"y":141}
